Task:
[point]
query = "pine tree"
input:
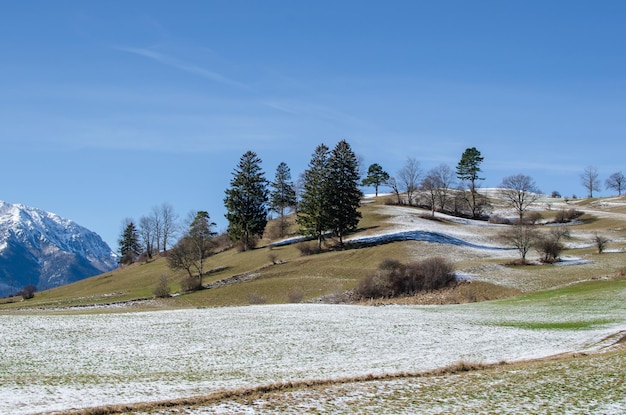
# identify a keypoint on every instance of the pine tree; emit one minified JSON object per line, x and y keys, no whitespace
{"x":313,"y":212}
{"x":246,"y":201}
{"x":344,"y":196}
{"x":468,"y":169}
{"x":376,"y":177}
{"x":283,"y":194}
{"x":130,"y":248}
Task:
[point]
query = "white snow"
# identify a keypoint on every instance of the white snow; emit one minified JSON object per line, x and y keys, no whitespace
{"x":56,"y":362}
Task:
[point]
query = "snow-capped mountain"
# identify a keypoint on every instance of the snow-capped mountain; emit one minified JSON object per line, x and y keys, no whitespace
{"x":45,"y":250}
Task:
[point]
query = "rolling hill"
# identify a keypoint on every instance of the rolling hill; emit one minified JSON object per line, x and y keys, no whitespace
{"x":278,"y":273}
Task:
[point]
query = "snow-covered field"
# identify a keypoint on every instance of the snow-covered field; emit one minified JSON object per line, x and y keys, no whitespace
{"x":57,"y":362}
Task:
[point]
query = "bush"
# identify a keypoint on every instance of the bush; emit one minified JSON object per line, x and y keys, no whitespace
{"x":162,"y":290}
{"x":190,"y":284}
{"x":497,"y":219}
{"x":532,"y":218}
{"x":308,"y":248}
{"x":393,"y":279}
{"x":550,"y":250}
{"x":564,"y":216}
{"x":27,"y":292}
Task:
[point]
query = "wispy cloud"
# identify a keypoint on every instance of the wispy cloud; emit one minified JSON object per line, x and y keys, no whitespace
{"x":183,"y":66}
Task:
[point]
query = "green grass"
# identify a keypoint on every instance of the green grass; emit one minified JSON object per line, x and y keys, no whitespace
{"x":558,"y":325}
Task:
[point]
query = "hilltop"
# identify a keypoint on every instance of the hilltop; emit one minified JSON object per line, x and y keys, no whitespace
{"x":277,"y":272}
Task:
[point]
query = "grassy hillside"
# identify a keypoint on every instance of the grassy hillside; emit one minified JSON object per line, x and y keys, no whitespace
{"x":282,"y":274}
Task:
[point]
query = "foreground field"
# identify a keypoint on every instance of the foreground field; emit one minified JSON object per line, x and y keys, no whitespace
{"x":57,"y":362}
{"x":586,"y":384}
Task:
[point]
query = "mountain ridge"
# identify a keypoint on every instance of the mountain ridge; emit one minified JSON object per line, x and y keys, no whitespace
{"x":43,"y":249}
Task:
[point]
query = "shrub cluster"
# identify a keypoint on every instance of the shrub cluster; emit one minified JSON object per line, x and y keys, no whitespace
{"x":394,"y":279}
{"x":564,"y":216}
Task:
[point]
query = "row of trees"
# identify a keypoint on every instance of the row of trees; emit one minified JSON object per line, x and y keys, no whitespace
{"x":438,"y":184}
{"x":328,"y":203}
{"x":590,"y":179}
{"x":156,"y":231}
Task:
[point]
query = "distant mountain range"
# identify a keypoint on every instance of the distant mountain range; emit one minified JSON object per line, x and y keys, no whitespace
{"x":45,"y":250}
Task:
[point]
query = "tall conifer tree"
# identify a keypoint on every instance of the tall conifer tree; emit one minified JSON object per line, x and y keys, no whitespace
{"x":313,"y":208}
{"x":130,"y":248}
{"x":283,"y":194}
{"x":467,"y":170}
{"x":246,"y":201}
{"x":343,"y":193}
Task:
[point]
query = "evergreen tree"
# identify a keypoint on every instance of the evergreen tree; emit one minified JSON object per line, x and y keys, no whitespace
{"x":130,"y":248}
{"x":467,"y":169}
{"x":376,"y":177}
{"x":313,"y":216}
{"x":246,"y":201}
{"x":283,"y":194}
{"x":343,"y":194}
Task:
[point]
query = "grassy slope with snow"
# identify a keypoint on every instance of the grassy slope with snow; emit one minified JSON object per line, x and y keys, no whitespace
{"x":54,"y":362}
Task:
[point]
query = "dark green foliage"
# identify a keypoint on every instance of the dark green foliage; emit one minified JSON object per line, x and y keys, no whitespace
{"x":246,"y":201}
{"x":344,"y":196}
{"x":130,"y":249}
{"x":393,"y":279}
{"x":467,"y":170}
{"x":313,"y":209}
{"x":283,"y":193}
{"x":331,"y":195}
{"x":376,"y":177}
{"x":469,"y":166}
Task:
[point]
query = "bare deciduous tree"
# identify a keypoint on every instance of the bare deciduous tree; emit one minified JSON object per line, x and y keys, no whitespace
{"x":393,"y":183}
{"x":429,"y":185}
{"x":589,"y":179}
{"x":169,"y":220}
{"x":444,"y":178}
{"x":601,"y":242}
{"x":147,"y":234}
{"x":616,"y":182}
{"x":409,"y":176}
{"x":519,"y":192}
{"x":521,"y":237}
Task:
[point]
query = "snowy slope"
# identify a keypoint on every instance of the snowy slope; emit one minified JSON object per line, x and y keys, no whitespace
{"x":43,"y":249}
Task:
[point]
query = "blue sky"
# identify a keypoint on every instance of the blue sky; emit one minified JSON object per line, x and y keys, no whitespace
{"x":110,"y":108}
